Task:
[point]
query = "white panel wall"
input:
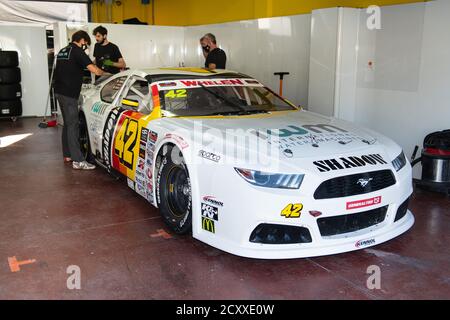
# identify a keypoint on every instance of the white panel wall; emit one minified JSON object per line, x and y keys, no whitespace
{"x":394,"y":80}
{"x":30,"y":42}
{"x":322,"y":64}
{"x":407,"y":94}
{"x":259,"y":48}
{"x":141,"y":46}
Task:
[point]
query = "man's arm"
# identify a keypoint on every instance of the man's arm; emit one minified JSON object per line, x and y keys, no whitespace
{"x":95,"y":70}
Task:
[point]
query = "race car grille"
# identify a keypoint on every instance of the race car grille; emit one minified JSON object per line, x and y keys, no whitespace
{"x":352,"y":222}
{"x":356,"y":184}
{"x":280,"y":234}
{"x":402,"y":210}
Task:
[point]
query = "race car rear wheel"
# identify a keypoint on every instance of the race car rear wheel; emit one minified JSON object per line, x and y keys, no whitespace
{"x":173,"y":192}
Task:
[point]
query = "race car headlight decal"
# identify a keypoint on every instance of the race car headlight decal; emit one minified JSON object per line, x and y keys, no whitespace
{"x":271,"y":180}
{"x":399,"y":162}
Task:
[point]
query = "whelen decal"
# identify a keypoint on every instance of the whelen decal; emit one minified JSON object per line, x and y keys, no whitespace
{"x":365,"y":243}
{"x":196,"y":83}
{"x":348,"y":163}
{"x":363,"y":203}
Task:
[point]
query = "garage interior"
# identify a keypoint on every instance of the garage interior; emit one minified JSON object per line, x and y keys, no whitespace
{"x":392,"y":78}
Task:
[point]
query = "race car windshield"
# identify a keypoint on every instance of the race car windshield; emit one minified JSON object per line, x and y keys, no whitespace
{"x":221,"y":100}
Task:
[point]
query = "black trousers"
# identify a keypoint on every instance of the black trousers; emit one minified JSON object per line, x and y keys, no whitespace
{"x":71,"y":130}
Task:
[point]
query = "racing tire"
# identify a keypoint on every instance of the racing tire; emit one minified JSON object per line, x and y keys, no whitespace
{"x":174,"y":193}
{"x":9,"y":59}
{"x":10,"y":75}
{"x":10,"y":108}
{"x":10,"y":91}
{"x":85,"y":143}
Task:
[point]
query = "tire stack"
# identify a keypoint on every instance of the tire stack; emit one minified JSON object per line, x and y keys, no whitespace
{"x":10,"y":88}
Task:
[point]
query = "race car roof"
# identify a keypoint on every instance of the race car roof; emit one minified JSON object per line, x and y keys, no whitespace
{"x":163,"y":74}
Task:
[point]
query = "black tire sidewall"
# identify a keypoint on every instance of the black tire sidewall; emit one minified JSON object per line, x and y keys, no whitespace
{"x":10,"y":91}
{"x":83,"y":126}
{"x":10,"y":75}
{"x":14,"y":106}
{"x":181,"y":225}
{"x":9,"y":59}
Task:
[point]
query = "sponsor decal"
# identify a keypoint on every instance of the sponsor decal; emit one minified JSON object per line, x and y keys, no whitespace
{"x":363,"y":203}
{"x":144,"y":135}
{"x":209,"y":156}
{"x":208,"y":225}
{"x":130,"y":183}
{"x":292,"y":211}
{"x":141,"y":165}
{"x":152,"y":136}
{"x":141,"y":190}
{"x":209,"y":83}
{"x":142,"y":149}
{"x":108,"y":133}
{"x":99,"y":108}
{"x":167,"y":84}
{"x":183,"y":144}
{"x":212,"y":200}
{"x":365,"y":243}
{"x":349,"y":162}
{"x":210,"y":212}
{"x":294,"y":135}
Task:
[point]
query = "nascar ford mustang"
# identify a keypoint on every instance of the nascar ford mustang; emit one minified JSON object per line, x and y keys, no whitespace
{"x":246,"y":171}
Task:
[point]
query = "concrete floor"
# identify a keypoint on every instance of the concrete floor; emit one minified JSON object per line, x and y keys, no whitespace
{"x":60,"y":217}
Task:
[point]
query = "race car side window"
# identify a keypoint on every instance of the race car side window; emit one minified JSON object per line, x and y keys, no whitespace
{"x":111,"y":89}
{"x":137,"y":97}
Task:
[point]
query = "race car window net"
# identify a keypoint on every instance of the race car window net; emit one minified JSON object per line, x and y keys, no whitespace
{"x":111,"y":89}
{"x":221,"y":100}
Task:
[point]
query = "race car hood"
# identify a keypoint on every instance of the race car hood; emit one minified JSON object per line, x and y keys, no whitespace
{"x":294,"y":135}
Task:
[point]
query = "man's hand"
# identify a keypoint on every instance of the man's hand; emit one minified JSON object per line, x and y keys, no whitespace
{"x":108,"y":63}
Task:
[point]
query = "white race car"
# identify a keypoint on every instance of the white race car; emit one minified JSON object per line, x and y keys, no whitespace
{"x":245,"y":170}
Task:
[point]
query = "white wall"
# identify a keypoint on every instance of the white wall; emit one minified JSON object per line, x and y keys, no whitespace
{"x":407,"y":94}
{"x":30,"y":42}
{"x":322,"y":61}
{"x":141,"y":46}
{"x":259,"y":48}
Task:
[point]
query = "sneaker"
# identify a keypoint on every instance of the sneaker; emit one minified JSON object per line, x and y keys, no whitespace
{"x":67,"y":160}
{"x":84,"y":165}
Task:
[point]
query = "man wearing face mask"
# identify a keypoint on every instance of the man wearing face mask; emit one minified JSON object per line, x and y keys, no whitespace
{"x":215,"y":57}
{"x":107,"y":55}
{"x":71,"y":62}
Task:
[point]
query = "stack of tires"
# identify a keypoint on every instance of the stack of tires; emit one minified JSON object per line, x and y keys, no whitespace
{"x":10,"y":88}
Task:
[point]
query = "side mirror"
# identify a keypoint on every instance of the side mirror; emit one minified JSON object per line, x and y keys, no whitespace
{"x":130,"y":103}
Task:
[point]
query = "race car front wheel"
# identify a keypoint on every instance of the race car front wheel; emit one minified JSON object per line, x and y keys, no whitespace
{"x":173,"y":192}
{"x":84,"y":140}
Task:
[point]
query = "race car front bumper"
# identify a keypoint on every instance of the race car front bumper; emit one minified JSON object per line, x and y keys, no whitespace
{"x":252,"y":224}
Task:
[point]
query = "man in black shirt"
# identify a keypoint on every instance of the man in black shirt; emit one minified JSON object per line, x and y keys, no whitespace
{"x":107,"y":55}
{"x":71,"y":62}
{"x":216,"y":58}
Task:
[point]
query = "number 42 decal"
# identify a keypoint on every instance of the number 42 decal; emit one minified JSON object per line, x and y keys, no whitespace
{"x":126,"y":141}
{"x":292,"y":211}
